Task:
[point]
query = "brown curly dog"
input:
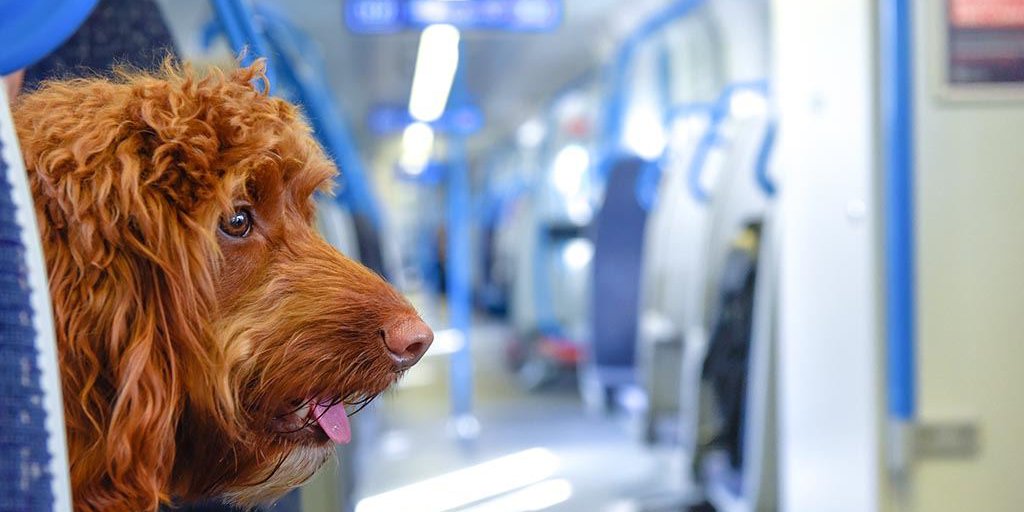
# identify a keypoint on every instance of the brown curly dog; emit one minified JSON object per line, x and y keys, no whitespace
{"x":209,"y":338}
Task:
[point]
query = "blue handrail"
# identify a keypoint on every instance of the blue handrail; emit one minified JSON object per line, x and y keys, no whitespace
{"x":898,"y":119}
{"x":700,"y":156}
{"x":649,"y":179}
{"x":236,"y":20}
{"x":761,"y":173}
{"x":459,"y":254}
{"x":711,"y":135}
{"x":687,"y":109}
{"x":619,"y":71}
{"x":299,"y":70}
{"x":302,"y":65}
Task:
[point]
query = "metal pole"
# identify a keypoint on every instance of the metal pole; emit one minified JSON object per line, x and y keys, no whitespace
{"x":237,"y":21}
{"x":294,"y":60}
{"x":465,"y":425}
{"x":618,"y":87}
{"x":898,"y":182}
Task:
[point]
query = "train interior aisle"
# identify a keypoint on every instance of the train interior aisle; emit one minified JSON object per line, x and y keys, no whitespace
{"x":534,"y":451}
{"x":676,"y":255}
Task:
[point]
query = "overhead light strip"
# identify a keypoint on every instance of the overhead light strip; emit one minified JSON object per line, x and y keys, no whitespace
{"x":436,"y":63}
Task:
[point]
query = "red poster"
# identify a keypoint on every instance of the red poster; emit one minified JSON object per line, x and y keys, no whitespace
{"x":986,"y":41}
{"x":986,"y":13}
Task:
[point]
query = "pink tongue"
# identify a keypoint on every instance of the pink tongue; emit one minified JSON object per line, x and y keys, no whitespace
{"x":334,"y":421}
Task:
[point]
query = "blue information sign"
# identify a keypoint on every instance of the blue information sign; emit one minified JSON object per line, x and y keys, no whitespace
{"x":464,"y":120}
{"x":387,"y":16}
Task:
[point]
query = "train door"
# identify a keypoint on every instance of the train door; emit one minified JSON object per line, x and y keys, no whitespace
{"x":964,"y":414}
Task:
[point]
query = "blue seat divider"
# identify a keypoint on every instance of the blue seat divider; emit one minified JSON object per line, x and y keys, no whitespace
{"x":618,"y":253}
{"x":25,"y":480}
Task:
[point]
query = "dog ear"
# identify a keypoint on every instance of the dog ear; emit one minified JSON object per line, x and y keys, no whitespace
{"x":128,"y":200}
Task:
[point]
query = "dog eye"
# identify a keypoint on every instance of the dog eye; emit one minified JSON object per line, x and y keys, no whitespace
{"x":238,"y":224}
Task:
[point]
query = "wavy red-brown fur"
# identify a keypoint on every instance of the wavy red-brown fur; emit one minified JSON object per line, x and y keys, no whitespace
{"x":179,"y":346}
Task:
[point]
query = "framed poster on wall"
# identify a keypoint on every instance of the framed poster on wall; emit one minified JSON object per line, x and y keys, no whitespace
{"x":984,"y":43}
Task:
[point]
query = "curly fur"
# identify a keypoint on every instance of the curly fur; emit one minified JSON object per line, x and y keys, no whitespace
{"x":179,"y":346}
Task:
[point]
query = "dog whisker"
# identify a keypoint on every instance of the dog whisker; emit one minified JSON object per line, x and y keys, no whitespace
{"x":281,"y":460}
{"x":362,"y":405}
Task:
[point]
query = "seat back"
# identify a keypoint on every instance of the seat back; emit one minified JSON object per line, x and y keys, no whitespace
{"x":33,"y":453}
{"x":618,"y":256}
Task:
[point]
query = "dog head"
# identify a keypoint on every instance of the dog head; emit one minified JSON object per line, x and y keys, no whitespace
{"x":209,"y":338}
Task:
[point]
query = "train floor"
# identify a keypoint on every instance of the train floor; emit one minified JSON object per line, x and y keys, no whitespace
{"x":540,"y":450}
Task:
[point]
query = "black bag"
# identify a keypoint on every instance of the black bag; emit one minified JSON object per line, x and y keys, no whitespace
{"x":725,"y":367}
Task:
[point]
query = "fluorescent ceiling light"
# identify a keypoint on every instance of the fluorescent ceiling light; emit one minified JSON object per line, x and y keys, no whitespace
{"x":579,"y":210}
{"x":570,"y":169}
{"x":436,"y":63}
{"x":466,"y":486}
{"x":645,"y":133}
{"x":417,"y":146}
{"x":531,"y":133}
{"x":578,"y":254}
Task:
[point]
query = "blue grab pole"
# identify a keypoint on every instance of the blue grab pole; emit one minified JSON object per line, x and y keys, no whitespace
{"x":458,"y":264}
{"x":664,"y":72}
{"x":763,"y":157}
{"x":546,"y":320}
{"x":329,"y":123}
{"x":711,"y":135}
{"x":237,"y":21}
{"x":544,"y":308}
{"x":700,"y":156}
{"x":230,"y":25}
{"x":617,"y":75}
{"x":898,"y":119}
{"x":293,"y":58}
{"x":687,"y":109}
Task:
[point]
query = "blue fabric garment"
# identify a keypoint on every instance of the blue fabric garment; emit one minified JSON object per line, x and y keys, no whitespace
{"x":118,"y":32}
{"x":25,"y":480}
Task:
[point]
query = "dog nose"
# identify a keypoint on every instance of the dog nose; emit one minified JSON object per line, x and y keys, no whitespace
{"x":407,"y":341}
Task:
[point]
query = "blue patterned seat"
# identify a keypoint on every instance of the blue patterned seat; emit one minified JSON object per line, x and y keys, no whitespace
{"x":25,"y":480}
